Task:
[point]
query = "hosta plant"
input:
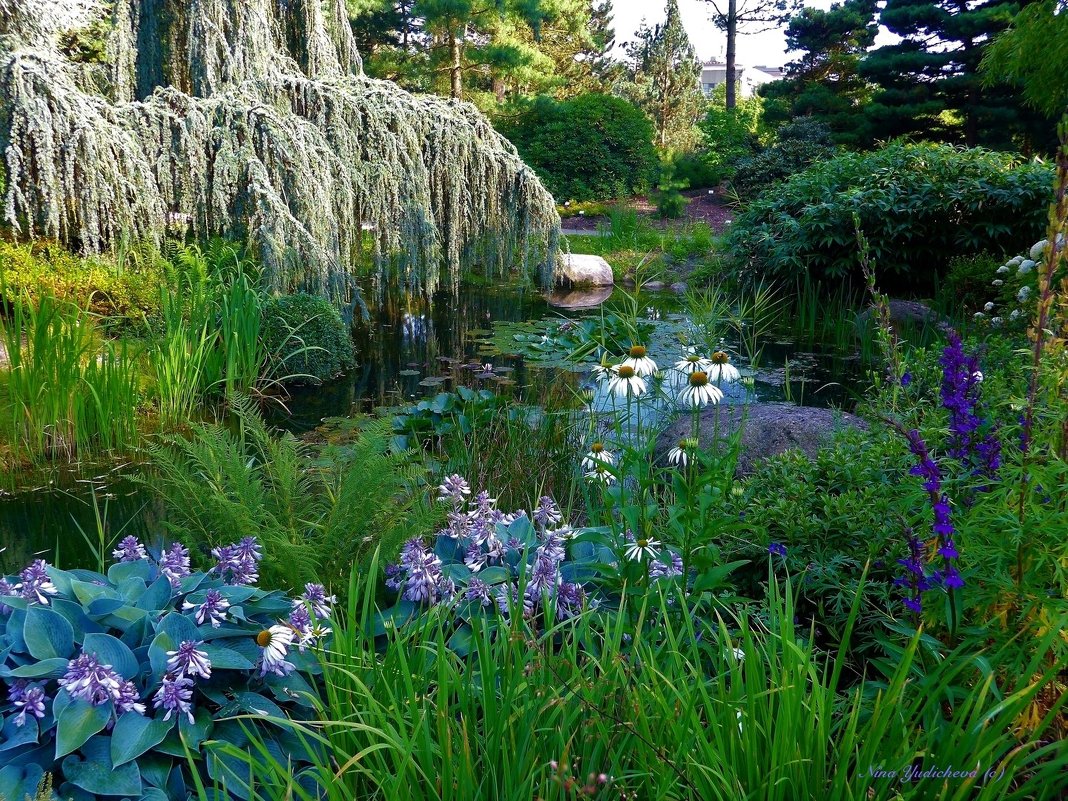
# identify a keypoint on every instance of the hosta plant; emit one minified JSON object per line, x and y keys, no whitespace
{"x":115,"y":683}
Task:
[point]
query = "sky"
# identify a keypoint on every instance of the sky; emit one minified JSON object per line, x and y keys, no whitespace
{"x":767,"y":49}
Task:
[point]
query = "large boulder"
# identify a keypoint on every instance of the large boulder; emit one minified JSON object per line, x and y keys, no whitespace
{"x":769,"y":429}
{"x":579,"y":298}
{"x":581,"y":270}
{"x":909,"y":312}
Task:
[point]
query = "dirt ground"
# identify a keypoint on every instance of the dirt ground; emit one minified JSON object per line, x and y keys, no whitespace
{"x":702,"y":206}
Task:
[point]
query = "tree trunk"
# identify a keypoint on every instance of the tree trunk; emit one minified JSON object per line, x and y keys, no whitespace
{"x":457,"y":68}
{"x":732,"y":54}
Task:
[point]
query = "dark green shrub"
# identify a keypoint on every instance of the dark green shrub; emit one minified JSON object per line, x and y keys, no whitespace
{"x":670,"y":203}
{"x":919,"y":205}
{"x":800,"y":143}
{"x":694,"y":170}
{"x":306,"y":337}
{"x":590,"y":147}
{"x":966,"y":286}
{"x":730,"y":135}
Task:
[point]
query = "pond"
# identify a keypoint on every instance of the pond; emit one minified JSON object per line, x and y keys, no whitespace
{"x":408,"y":349}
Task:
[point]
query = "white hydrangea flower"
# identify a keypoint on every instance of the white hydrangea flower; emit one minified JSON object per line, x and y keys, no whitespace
{"x":989,"y":306}
{"x":1026,"y":267}
{"x":1038,"y":249}
{"x":1003,"y":269}
{"x":995,"y":321}
{"x":997,"y":282}
{"x":1023,"y":294}
{"x":979,"y":315}
{"x":1015,"y":261}
{"x":1015,"y":314}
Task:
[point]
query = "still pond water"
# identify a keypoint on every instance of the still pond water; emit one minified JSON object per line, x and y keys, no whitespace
{"x":408,"y":350}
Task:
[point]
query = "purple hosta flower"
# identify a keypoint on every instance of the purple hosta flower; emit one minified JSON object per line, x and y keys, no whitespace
{"x":315,"y":596}
{"x":29,"y":701}
{"x":547,"y":513}
{"x":474,"y":557}
{"x":459,"y":525}
{"x":777,"y":549}
{"x":394,"y":577}
{"x":36,"y":585}
{"x":188,"y":661}
{"x":86,"y":679}
{"x":174,"y":564}
{"x":275,"y":643}
{"x":176,"y":697}
{"x":508,"y":597}
{"x":659,"y":569}
{"x":569,"y":600}
{"x":960,"y":396}
{"x":453,"y":489}
{"x":130,"y":550}
{"x":424,"y":581}
{"x":213,"y":610}
{"x":485,"y":506}
{"x":7,"y":590}
{"x":129,"y":699}
{"x":239,"y":562}
{"x":303,"y":626}
{"x":478,"y":591}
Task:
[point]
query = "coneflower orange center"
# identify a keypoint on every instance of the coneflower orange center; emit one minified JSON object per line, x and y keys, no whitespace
{"x":637,"y":352}
{"x":698,"y":379}
{"x":626,"y":371}
{"x":596,"y":447}
{"x":263,"y":639}
{"x":719,"y":357}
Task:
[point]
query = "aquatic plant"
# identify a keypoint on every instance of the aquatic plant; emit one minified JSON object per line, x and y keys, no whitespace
{"x":112,"y":679}
{"x":252,"y":120}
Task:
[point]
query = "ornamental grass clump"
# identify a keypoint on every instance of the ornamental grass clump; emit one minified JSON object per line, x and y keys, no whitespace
{"x":112,"y":683}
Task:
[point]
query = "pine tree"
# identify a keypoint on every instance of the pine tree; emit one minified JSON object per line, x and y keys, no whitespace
{"x":928,"y":83}
{"x":663,"y":79}
{"x":824,"y":82}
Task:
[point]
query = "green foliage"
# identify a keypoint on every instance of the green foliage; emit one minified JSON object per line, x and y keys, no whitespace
{"x":592,"y":147}
{"x":966,"y":286}
{"x":730,"y":134}
{"x":670,"y":203}
{"x":132,"y":619}
{"x":670,"y":697}
{"x":1033,"y":55}
{"x":317,"y":511}
{"x":799,"y":144}
{"x":124,"y":289}
{"x":928,"y":81}
{"x":663,"y":80}
{"x":70,"y":392}
{"x":919,"y":206}
{"x":306,"y":337}
{"x":694,"y":169}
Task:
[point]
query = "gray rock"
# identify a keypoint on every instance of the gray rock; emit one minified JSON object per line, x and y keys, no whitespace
{"x":579,"y":298}
{"x":769,"y":429}
{"x":911,"y":312}
{"x":680,"y":287}
{"x":578,"y":270}
{"x":654,"y":286}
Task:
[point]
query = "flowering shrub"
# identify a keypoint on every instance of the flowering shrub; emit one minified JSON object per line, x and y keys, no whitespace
{"x":1011,"y":291}
{"x":110,"y":679}
{"x":486,"y":562}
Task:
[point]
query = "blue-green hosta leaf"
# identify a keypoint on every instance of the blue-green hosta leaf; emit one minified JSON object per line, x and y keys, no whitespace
{"x":93,"y":771}
{"x":87,"y":592}
{"x":14,"y":736}
{"x":156,"y":768}
{"x":20,"y":781}
{"x":223,"y":658}
{"x":79,"y":721}
{"x":47,"y":633}
{"x":134,"y":734}
{"x":157,"y":596}
{"x":45,"y":669}
{"x":124,"y":571}
{"x":179,"y":627}
{"x":111,"y":651}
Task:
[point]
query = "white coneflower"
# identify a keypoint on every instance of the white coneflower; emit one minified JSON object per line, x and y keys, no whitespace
{"x":722,"y":370}
{"x":600,"y":473}
{"x":692,"y":363}
{"x":275,"y":643}
{"x":639,"y":362}
{"x":625,"y":381}
{"x":598,"y":455}
{"x":643,"y":549}
{"x":602,"y":371}
{"x":679,"y":456}
{"x":698,"y":392}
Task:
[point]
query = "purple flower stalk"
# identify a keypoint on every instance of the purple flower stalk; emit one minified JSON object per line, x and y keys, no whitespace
{"x":129,"y":699}
{"x":961,"y":379}
{"x":424,"y":582}
{"x":239,"y":563}
{"x":478,"y":591}
{"x":777,"y":549}
{"x":87,"y":680}
{"x":662,"y":570}
{"x":188,"y":661}
{"x":29,"y":701}
{"x":547,"y":512}
{"x":7,"y":590}
{"x":454,"y":489}
{"x":212,"y":610}
{"x":36,"y":585}
{"x":570,"y":599}
{"x":943,"y":523}
{"x":174,"y":564}
{"x":130,"y":550}
{"x":176,"y":697}
{"x":315,"y":596}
